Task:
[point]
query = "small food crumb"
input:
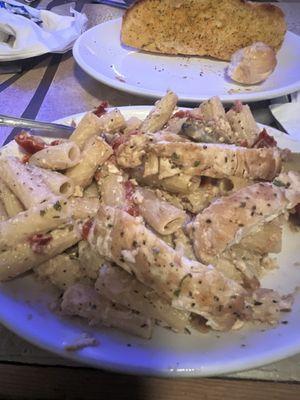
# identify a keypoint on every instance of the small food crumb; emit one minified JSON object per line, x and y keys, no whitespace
{"x":83,"y":341}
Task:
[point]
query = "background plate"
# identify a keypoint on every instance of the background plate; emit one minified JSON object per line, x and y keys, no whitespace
{"x":99,"y":52}
{"x":25,"y":310}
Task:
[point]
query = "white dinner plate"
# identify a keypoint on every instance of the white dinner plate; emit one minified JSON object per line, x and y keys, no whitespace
{"x":25,"y":310}
{"x":100,"y":53}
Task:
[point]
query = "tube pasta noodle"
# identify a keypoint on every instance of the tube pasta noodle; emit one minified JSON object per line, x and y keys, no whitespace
{"x":160,"y":114}
{"x":62,"y":156}
{"x":160,"y":215}
{"x":96,"y":152}
{"x":112,"y":121}
{"x":29,"y":189}
{"x":21,"y":257}
{"x":9,"y":200}
{"x":44,"y":217}
{"x":59,"y":183}
{"x":177,"y":184}
{"x":91,"y":125}
{"x":112,"y":191}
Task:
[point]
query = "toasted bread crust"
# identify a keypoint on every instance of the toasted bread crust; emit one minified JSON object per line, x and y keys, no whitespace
{"x":201,"y":27}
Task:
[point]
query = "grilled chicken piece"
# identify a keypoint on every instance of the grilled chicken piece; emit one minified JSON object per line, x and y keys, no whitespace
{"x":187,"y":284}
{"x":229,"y":219}
{"x":218,"y":160}
{"x":84,"y":301}
{"x":123,"y":288}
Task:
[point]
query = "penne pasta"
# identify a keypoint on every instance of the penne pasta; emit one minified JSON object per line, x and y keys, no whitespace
{"x":112,"y":191}
{"x":112,"y":121}
{"x":23,"y":256}
{"x":62,"y":156}
{"x":162,"y":216}
{"x":9,"y":200}
{"x":45,"y":217}
{"x":177,"y":184}
{"x":91,"y":125}
{"x":58,"y":183}
{"x":96,"y":151}
{"x":160,"y":114}
{"x":28,"y":188}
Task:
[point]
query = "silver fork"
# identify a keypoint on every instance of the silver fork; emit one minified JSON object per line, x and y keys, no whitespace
{"x":43,"y":128}
{"x":119,"y":4}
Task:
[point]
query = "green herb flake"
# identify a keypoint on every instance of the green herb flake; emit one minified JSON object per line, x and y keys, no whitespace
{"x":175,"y":156}
{"x":277,"y":182}
{"x":57,"y":206}
{"x":178,"y":290}
{"x":42,"y":213}
{"x":196,"y":163}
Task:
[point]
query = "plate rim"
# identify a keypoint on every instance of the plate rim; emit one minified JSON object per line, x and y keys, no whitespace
{"x":132,"y":89}
{"x":80,"y":357}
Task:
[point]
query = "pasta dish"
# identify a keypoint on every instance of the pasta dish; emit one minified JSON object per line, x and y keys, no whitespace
{"x":172,"y":220}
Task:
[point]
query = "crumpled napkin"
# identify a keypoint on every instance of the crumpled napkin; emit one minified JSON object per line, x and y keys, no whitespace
{"x":21,"y":37}
{"x":288,"y":115}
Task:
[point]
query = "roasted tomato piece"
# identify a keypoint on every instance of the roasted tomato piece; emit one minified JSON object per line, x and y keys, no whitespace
{"x":101,"y":109}
{"x":31,"y":144}
{"x":86,"y":229}
{"x":39,"y":241}
{"x":264,"y":140}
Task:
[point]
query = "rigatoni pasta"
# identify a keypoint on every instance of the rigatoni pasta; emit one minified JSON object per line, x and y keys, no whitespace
{"x":62,"y":156}
{"x":90,"y":125}
{"x":11,"y":203}
{"x":29,"y":189}
{"x":96,"y":151}
{"x":45,"y":217}
{"x":160,"y":215}
{"x":22,"y":257}
{"x":59,"y":183}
